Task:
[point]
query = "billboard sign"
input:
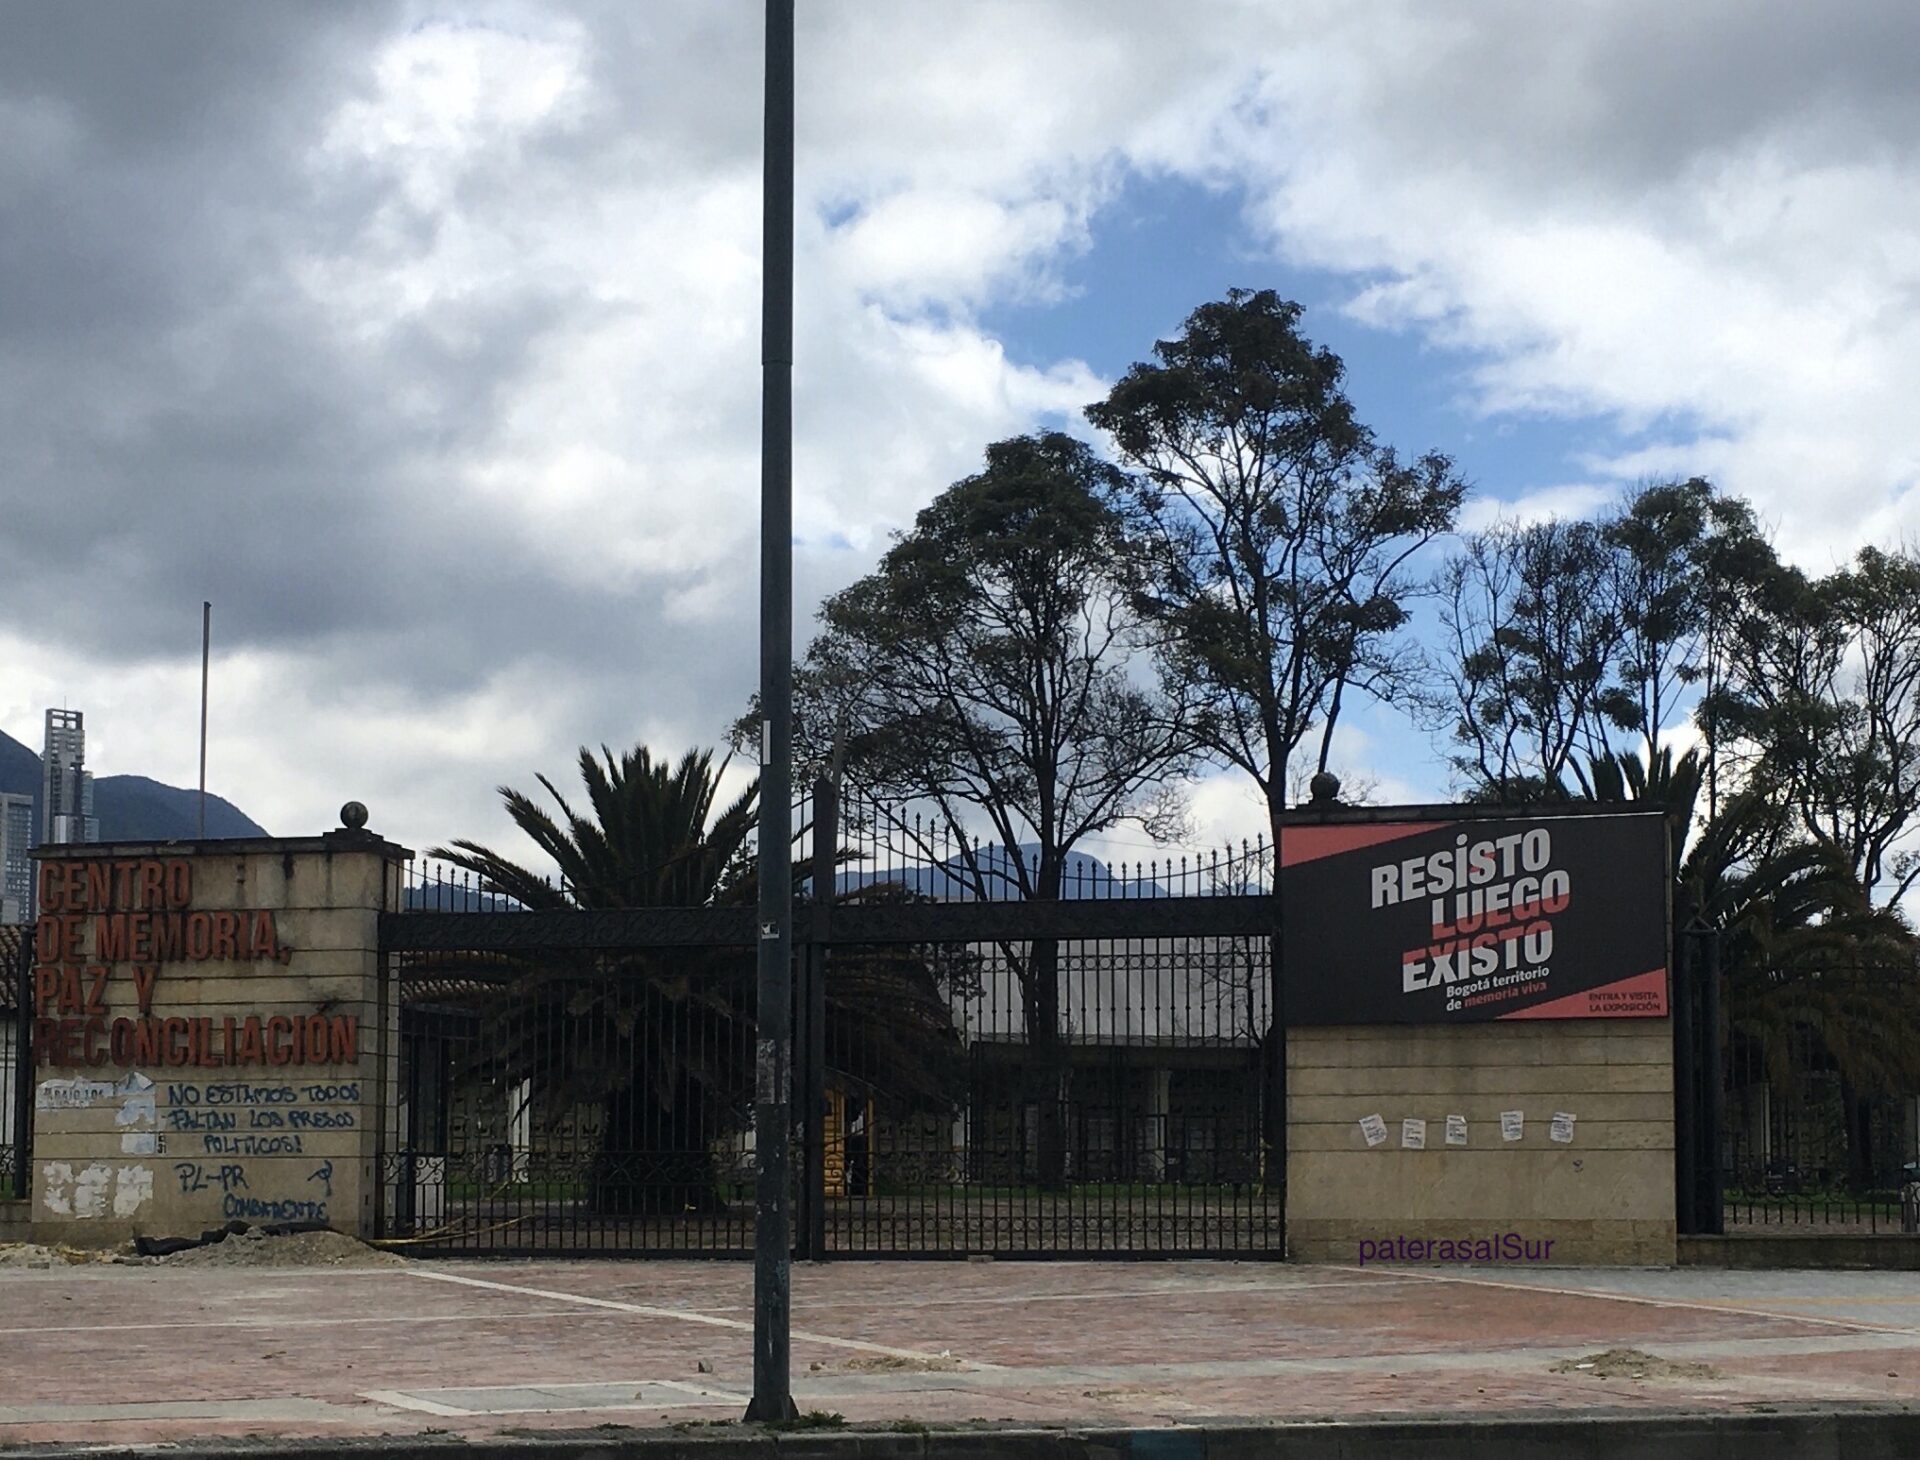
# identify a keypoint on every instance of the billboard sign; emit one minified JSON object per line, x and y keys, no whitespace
{"x":1442,"y":921}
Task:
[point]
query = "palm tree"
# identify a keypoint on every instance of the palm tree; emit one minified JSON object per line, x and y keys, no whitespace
{"x":652,"y":839}
{"x":662,"y":1038}
{"x":1808,"y":962}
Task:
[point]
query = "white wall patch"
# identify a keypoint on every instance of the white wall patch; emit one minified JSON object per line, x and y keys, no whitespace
{"x":72,"y":1094}
{"x":90,"y":1190}
{"x":136,"y":1108}
{"x":132,"y":1188}
{"x":56,"y":1188}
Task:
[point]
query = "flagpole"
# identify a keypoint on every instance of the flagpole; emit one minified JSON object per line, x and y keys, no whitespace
{"x":206,"y":647}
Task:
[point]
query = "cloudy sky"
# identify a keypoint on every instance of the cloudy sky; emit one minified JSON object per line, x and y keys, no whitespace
{"x":423,"y":338}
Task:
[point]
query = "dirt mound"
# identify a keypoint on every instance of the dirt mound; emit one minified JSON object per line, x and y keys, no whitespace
{"x":255,"y":1248}
{"x":1632,"y":1363}
{"x":34,"y":1254}
{"x":903,"y":1364}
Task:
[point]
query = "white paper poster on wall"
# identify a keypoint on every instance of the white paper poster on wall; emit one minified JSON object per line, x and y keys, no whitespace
{"x":1373,"y":1128}
{"x":1456,"y":1130}
{"x":1513,"y":1125}
{"x":1413,"y":1134}
{"x":1561,"y":1129}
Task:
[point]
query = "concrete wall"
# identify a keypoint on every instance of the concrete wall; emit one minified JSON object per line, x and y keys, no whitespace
{"x":173,"y":1147}
{"x":1605,"y":1196}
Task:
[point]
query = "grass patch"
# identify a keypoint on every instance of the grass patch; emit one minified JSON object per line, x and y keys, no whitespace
{"x":1079,"y":1191}
{"x":811,"y":1419}
{"x":1868,"y":1203}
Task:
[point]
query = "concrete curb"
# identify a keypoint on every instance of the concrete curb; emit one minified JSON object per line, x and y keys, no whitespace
{"x":1786,"y":1432}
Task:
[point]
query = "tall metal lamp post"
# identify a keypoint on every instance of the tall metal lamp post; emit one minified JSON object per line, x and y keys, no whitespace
{"x":773,"y":1062}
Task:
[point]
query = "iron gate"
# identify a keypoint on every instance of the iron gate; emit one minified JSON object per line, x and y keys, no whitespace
{"x":16,"y":1060}
{"x":1697,"y":1081}
{"x":1794,"y":1106}
{"x":974,"y":1074}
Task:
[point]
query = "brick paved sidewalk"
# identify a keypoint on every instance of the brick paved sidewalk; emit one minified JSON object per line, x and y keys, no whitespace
{"x":137,"y":1354}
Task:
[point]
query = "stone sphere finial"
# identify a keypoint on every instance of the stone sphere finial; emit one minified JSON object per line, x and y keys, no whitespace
{"x":1324,"y":788}
{"x":353,"y":816}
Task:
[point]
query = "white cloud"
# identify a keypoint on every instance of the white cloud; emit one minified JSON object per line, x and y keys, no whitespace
{"x":1564,"y":500}
{"x":1734,"y":274}
{"x":426,"y":343}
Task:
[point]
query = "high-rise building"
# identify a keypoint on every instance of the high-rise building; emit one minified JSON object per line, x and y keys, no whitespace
{"x":16,"y":865}
{"x":66,"y":800}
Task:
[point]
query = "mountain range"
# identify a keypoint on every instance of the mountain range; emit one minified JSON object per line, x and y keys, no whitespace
{"x":952,"y":881}
{"x":130,"y":808}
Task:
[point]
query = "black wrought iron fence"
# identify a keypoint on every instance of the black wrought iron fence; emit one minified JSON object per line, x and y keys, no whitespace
{"x":924,"y":855}
{"x":992,"y":1056}
{"x":555,"y":1099}
{"x":1137,"y":1126}
{"x":1821,"y":1116}
{"x":16,"y":1059}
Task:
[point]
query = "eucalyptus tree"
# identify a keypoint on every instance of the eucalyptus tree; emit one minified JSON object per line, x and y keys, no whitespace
{"x":1530,"y":632}
{"x":1681,"y":550}
{"x":1284,"y":534}
{"x":1819,"y":704}
{"x":986,"y":669}
{"x":1562,"y":640}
